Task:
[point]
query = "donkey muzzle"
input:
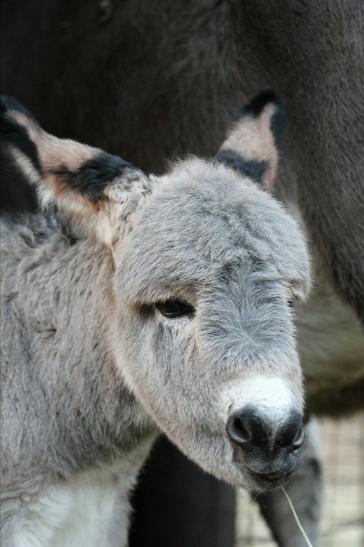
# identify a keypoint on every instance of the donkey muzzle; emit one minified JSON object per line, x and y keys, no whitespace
{"x":269,"y":450}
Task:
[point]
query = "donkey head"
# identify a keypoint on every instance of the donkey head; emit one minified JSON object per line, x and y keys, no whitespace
{"x":207,"y":266}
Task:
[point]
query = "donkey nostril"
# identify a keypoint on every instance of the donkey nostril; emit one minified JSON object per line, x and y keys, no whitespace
{"x":291,"y":434}
{"x":249,"y":430}
{"x":238,"y":431}
{"x":241,"y":431}
{"x":298,"y":440}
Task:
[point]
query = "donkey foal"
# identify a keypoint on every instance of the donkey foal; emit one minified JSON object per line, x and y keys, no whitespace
{"x":141,"y":304}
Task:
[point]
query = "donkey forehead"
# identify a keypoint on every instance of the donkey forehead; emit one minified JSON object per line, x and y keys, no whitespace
{"x":201,"y":218}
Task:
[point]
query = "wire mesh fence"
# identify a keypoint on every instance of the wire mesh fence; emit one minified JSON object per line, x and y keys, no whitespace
{"x":343,"y":504}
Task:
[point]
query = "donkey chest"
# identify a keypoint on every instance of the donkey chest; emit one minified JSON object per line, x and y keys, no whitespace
{"x":90,"y":510}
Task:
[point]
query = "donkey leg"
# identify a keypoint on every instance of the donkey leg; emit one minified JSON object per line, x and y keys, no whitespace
{"x":305,"y":490}
{"x":178,"y":505}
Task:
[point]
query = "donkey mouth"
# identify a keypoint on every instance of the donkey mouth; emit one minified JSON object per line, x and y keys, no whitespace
{"x":269,"y":481}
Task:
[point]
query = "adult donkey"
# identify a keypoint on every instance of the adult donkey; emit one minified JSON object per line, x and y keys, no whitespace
{"x":118,"y":74}
{"x":146,"y":303}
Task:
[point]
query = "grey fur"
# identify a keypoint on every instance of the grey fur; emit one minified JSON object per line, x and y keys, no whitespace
{"x":183,"y":84}
{"x":91,"y":371}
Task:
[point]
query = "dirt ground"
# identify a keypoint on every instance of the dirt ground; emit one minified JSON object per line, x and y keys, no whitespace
{"x":343,"y":511}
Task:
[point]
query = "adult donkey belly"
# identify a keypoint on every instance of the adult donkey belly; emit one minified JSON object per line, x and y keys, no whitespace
{"x":331,"y":348}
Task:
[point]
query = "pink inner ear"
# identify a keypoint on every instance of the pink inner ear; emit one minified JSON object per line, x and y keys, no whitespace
{"x":99,"y":190}
{"x":252,"y":139}
{"x":57,"y":154}
{"x":53,"y":154}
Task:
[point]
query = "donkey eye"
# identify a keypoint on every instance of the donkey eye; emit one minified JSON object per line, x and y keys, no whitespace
{"x":175,"y":308}
{"x":290,"y":302}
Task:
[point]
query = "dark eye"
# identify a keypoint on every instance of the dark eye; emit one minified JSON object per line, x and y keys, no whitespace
{"x":290,"y":302}
{"x":175,"y":308}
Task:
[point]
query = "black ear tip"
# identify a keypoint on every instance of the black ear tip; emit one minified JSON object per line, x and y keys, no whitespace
{"x":258,"y":103}
{"x":14,"y":133}
{"x":9,"y":104}
{"x":4,"y":100}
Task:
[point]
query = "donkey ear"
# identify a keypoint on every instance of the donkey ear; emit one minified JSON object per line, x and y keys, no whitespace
{"x":252,"y":146}
{"x":96,"y":189}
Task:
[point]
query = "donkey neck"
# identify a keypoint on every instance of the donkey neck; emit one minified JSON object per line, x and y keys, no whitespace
{"x":64,"y":296}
